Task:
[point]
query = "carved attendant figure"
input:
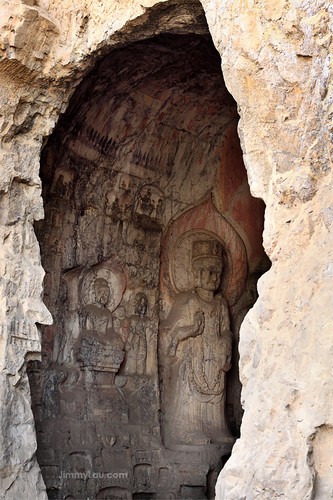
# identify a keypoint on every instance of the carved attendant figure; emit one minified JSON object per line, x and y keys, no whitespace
{"x":197,"y":353}
{"x":136,"y":345}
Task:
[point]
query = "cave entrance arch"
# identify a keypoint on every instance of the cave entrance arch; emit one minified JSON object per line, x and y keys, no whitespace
{"x":148,"y":149}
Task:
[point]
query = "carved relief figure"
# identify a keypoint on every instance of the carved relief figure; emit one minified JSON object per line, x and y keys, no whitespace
{"x":197,"y":344}
{"x":99,"y":346}
{"x":121,"y":323}
{"x":150,"y":202}
{"x":98,"y":318}
{"x":63,"y":183}
{"x":159,"y":209}
{"x":136,"y":345}
{"x":147,"y":203}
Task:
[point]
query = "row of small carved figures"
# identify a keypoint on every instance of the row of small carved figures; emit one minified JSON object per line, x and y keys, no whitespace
{"x":99,"y":141}
{"x":105,"y":145}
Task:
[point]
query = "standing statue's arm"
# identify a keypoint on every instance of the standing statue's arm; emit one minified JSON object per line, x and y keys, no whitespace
{"x":179,"y":333}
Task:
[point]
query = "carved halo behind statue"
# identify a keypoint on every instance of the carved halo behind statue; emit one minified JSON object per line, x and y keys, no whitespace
{"x":206,"y":267}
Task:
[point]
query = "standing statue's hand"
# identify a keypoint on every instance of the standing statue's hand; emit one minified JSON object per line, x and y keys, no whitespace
{"x":199,"y":323}
{"x":185,"y":332}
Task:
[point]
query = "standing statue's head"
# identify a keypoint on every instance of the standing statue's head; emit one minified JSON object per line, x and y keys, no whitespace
{"x":207,"y":264}
{"x":102,"y":291}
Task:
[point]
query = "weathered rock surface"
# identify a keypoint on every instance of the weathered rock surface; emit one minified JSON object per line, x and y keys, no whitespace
{"x":275,"y":59}
{"x":276,"y":64}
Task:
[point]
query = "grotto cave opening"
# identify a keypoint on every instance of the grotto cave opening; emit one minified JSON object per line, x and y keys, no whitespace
{"x":152,"y":247}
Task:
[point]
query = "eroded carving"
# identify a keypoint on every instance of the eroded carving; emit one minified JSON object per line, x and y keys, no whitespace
{"x":143,"y":478}
{"x":149,"y":206}
{"x":197,"y":346}
{"x":23,"y":335}
{"x":136,"y":345}
{"x":91,"y":338}
{"x":100,"y":347}
{"x":63,"y":184}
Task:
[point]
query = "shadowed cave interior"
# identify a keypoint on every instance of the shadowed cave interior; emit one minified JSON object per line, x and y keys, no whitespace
{"x":152,"y":248}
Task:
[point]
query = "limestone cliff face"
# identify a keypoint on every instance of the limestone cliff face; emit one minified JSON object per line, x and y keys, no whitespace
{"x":276,"y":64}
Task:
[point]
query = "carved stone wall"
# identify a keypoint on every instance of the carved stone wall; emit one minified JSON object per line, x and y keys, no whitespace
{"x":141,"y":178}
{"x":275,"y":58}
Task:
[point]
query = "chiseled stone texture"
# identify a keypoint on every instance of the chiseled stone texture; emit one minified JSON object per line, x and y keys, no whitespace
{"x":276,"y":65}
